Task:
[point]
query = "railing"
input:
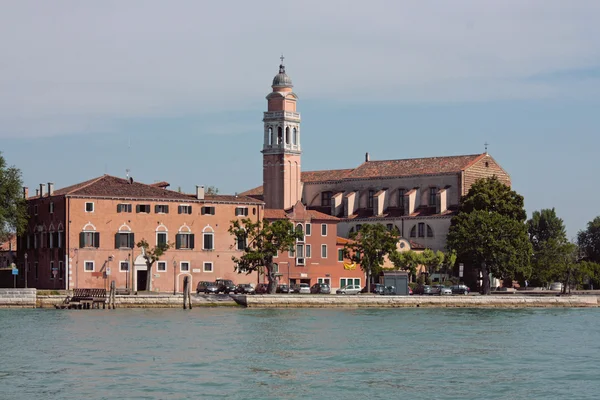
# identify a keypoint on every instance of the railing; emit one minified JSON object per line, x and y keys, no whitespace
{"x":279,"y":114}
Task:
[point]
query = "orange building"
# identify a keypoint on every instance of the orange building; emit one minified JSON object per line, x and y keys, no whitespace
{"x":85,"y":235}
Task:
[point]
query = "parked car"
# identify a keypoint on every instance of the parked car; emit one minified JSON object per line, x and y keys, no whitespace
{"x":349,"y":289}
{"x":441,"y":290}
{"x":423,"y":289}
{"x":244,"y":288}
{"x":460,"y":289}
{"x":376,"y":288}
{"x":261,"y":288}
{"x":304,"y":288}
{"x":201,"y":287}
{"x":283,"y":288}
{"x":320,"y":288}
{"x":225,"y":285}
{"x":211,"y":288}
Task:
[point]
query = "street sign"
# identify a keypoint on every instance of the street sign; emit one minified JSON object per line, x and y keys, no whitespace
{"x":108,"y":271}
{"x":54,"y":272}
{"x":15,"y":271}
{"x":460,"y":270}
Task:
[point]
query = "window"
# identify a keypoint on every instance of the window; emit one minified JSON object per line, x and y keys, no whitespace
{"x":340,"y":254}
{"x":241,"y":242}
{"x":35,"y":210}
{"x":299,"y":229}
{"x":161,"y":238}
{"x":208,"y":241}
{"x":208,"y":267}
{"x":161,"y":209}
{"x":142,"y":208}
{"x":51,"y":269}
{"x":35,"y":241}
{"x":370,"y":199}
{"x":241,"y":211}
{"x":401,"y":200}
{"x":184,"y":266}
{"x":300,"y":250}
{"x":323,"y":251}
{"x":35,"y":266}
{"x":28,"y":241}
{"x":390,"y":227}
{"x":421,"y":229}
{"x":432,"y":196}
{"x":308,"y":228}
{"x":358,"y":226}
{"x":291,"y":253}
{"x":124,"y":208}
{"x":184,"y":241}
{"x":89,"y":239}
{"x":279,"y":135}
{"x":124,"y":240}
{"x":207,"y":210}
{"x":89,"y":207}
{"x":61,"y":270}
{"x":323,"y":229}
{"x":429,"y":231}
{"x":161,"y":266}
{"x":124,"y":266}
{"x":51,"y":207}
{"x":287,"y":135}
{"x":88,"y":266}
{"x":326,"y":199}
{"x":59,"y":239}
{"x":50,"y":240}
{"x":184,"y":209}
{"x":295,"y":138}
{"x":308,"y":251}
{"x":413,"y":231}
{"x":349,"y":281}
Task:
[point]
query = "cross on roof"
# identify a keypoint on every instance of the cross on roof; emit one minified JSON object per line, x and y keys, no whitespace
{"x":486,"y":144}
{"x":282,"y":58}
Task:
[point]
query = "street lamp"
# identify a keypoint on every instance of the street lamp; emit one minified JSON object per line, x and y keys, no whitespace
{"x":174,"y":277}
{"x":25,"y":270}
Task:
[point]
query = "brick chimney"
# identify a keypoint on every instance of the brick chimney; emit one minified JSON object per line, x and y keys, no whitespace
{"x":25,"y":192}
{"x":50,"y":188}
{"x":367,"y":157}
{"x":41,"y":190}
{"x":200,"y":192}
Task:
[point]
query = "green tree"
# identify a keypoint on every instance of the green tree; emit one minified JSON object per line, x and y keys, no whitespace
{"x":432,"y":260}
{"x":489,"y":233}
{"x":406,"y":260}
{"x":263,"y":240}
{"x":212,"y":190}
{"x":589,"y":241}
{"x":13,"y":208}
{"x":369,"y":246}
{"x":550,"y":246}
{"x":151,"y":255}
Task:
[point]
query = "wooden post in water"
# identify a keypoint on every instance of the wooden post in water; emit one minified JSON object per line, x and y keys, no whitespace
{"x":189,"y":296}
{"x":186,"y":285}
{"x":111,"y":295}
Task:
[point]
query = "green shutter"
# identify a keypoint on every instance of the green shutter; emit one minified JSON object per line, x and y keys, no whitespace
{"x":137,"y":208}
{"x":166,"y":209}
{"x":97,"y":239}
{"x":178,"y":209}
{"x":192,"y":241}
{"x":81,"y":240}
{"x":117,"y":240}
{"x":118,"y":208}
{"x":178,"y":241}
{"x":131,"y":240}
{"x":156,"y":209}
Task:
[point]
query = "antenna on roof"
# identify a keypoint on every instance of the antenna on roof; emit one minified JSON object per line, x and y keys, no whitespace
{"x":486,"y":144}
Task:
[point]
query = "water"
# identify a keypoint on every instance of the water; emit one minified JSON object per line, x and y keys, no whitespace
{"x":300,"y":354}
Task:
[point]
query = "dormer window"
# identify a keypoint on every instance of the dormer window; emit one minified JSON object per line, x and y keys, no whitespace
{"x":370,"y":199}
{"x":401,"y":199}
{"x":432,"y":196}
{"x":326,"y":199}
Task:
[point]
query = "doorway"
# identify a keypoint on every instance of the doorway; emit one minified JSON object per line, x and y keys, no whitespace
{"x":142,"y":280}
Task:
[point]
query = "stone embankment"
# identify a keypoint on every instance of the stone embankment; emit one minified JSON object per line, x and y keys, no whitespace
{"x":365,"y":301}
{"x":17,"y":298}
{"x":147,"y":301}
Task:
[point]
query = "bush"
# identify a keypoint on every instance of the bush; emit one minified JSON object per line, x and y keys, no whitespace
{"x":413,"y":285}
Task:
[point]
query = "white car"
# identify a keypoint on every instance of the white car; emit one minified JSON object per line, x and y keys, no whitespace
{"x":304,"y":288}
{"x":349,"y":289}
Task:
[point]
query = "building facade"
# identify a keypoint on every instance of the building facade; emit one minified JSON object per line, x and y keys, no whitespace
{"x":85,"y":235}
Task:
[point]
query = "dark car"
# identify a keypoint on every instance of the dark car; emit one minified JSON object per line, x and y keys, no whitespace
{"x":283,"y":288}
{"x":262,"y":288}
{"x":201,"y":287}
{"x":211,"y":288}
{"x":376,"y":288}
{"x":460,"y":289}
{"x":244,"y":288}
{"x":320,"y":288}
{"x":225,"y":285}
{"x":424,"y":289}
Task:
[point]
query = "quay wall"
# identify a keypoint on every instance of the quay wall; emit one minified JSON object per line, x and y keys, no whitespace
{"x":147,"y":301}
{"x":17,"y":298}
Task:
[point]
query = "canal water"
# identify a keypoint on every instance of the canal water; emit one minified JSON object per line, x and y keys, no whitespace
{"x":300,"y":354}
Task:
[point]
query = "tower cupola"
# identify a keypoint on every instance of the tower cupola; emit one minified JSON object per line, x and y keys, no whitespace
{"x":282,"y":80}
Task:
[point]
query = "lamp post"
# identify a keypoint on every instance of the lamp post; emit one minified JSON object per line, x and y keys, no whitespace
{"x":25,"y":270}
{"x":174,"y":277}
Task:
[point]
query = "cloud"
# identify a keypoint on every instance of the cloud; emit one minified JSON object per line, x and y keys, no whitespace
{"x":70,"y":66}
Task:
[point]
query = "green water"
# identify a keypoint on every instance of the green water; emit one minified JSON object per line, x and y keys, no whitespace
{"x":300,"y":354}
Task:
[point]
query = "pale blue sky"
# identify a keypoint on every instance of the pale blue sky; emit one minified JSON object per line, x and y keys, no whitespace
{"x":184,"y":83}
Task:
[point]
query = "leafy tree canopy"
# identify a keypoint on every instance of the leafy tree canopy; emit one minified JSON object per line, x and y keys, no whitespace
{"x":406,"y":260}
{"x":13,"y":208}
{"x":369,"y":246}
{"x":589,"y":241}
{"x":262,"y":241}
{"x":152,"y":255}
{"x":494,"y":196}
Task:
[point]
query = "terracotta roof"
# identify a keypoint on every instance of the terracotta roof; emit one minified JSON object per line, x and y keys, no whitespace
{"x":298,"y":212}
{"x":342,"y":241}
{"x":161,"y":184}
{"x":10,"y":244}
{"x":387,"y":169}
{"x":416,"y":246}
{"x":111,"y":186}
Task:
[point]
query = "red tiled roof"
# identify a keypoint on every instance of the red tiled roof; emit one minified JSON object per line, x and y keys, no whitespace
{"x":10,"y":244}
{"x":111,"y":186}
{"x":274,"y":214}
{"x":161,"y":184}
{"x":416,"y":246}
{"x":325,"y":175}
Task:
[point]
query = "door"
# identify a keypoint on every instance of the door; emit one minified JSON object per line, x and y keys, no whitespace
{"x":142,"y":280}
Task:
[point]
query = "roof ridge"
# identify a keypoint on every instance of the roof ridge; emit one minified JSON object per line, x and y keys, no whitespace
{"x":90,"y":182}
{"x":421,"y":158}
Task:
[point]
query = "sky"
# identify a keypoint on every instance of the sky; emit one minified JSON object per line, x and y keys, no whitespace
{"x":175,"y":90}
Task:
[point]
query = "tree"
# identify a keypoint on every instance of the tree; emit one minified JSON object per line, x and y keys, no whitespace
{"x":550,"y":246}
{"x":589,"y":241}
{"x":263,"y":240}
{"x":212,"y":190}
{"x":432,"y":261}
{"x":152,"y":255}
{"x":13,"y":208}
{"x":489,"y":234}
{"x":406,"y":260}
{"x":369,"y":246}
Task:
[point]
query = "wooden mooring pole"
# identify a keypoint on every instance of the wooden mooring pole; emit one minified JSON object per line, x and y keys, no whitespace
{"x":187,"y":298}
{"x":111,"y":295}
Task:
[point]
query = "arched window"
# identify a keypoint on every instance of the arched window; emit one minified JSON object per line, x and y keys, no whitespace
{"x":89,"y":237}
{"x":429,"y":231}
{"x":295,"y":137}
{"x":287,"y":135}
{"x":299,"y":228}
{"x":208,"y":238}
{"x":413,"y":231}
{"x":184,"y":238}
{"x":124,"y":238}
{"x":279,"y":135}
{"x":270,"y":139}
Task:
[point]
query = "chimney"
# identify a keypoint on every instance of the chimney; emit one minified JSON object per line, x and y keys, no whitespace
{"x":41,"y":190}
{"x":200,"y":192}
{"x":50,"y":188}
{"x":25,"y":192}
{"x":37,"y":192}
{"x":367,"y":158}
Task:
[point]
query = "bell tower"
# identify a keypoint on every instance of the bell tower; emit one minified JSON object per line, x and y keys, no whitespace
{"x":281,"y":148}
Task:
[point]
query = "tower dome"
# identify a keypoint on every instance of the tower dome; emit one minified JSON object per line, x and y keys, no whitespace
{"x":282,"y":80}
